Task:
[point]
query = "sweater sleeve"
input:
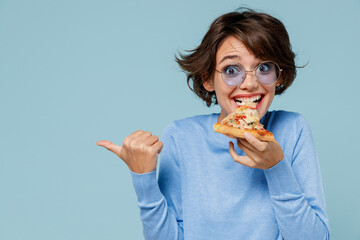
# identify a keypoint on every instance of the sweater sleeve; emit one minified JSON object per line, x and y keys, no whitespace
{"x":160,"y":201}
{"x":296,"y":191}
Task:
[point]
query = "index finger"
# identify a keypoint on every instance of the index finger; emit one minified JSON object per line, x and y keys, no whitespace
{"x":256,"y":143}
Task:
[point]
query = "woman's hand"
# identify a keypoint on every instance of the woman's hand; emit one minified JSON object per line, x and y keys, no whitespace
{"x":139,"y":151}
{"x":259,"y":154}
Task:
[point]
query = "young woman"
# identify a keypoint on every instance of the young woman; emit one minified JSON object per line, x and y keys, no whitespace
{"x":214,"y":187}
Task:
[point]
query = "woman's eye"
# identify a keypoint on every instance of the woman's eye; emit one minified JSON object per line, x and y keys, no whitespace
{"x":231,"y":71}
{"x":265,"y":68}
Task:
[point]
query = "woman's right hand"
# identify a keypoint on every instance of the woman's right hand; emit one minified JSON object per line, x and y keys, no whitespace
{"x":139,"y":151}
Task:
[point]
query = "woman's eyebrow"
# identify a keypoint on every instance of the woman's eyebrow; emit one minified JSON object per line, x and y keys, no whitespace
{"x":229,"y":57}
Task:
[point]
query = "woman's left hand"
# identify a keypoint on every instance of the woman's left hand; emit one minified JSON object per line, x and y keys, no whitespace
{"x":259,"y":154}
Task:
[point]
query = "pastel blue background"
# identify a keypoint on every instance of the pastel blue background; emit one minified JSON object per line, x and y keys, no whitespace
{"x":74,"y":72}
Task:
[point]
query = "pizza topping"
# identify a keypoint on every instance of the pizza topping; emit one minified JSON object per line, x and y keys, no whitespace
{"x":245,"y":117}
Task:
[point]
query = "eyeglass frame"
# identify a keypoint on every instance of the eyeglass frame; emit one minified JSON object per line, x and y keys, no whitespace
{"x":254,"y":70}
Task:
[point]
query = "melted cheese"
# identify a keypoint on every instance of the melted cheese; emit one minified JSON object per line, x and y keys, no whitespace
{"x":245,"y":117}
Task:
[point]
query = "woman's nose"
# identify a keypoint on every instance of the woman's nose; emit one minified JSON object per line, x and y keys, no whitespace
{"x":250,"y":82}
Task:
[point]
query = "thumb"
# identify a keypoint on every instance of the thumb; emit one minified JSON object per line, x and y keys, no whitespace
{"x":110,"y":146}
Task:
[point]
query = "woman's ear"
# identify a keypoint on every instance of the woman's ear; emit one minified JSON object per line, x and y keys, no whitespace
{"x":278,"y":82}
{"x":209,"y":85}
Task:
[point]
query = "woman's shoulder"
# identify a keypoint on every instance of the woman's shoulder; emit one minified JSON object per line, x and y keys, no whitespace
{"x":285,"y":123}
{"x":283,"y":117}
{"x":192,"y":124}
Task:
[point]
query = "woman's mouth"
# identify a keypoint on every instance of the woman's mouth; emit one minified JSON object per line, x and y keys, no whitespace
{"x":243,"y":100}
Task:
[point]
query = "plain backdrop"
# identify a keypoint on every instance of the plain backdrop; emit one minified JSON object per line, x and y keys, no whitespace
{"x":73,"y":72}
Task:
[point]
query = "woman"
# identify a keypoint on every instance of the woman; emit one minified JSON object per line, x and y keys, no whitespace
{"x":209,"y":189}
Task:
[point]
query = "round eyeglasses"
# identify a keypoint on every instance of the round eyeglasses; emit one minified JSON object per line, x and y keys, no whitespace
{"x":266,"y":72}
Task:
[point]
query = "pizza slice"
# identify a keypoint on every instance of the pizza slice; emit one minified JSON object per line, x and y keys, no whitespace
{"x":244,"y":119}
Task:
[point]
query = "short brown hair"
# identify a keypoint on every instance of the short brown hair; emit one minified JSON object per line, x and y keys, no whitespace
{"x":264,"y":36}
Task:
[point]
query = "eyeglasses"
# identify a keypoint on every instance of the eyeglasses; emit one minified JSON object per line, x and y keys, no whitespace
{"x":266,"y":72}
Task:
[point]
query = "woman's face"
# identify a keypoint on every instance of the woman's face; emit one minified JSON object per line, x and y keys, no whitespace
{"x":231,"y":52}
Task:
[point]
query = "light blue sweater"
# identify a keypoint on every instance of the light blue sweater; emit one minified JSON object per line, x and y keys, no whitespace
{"x":202,"y":194}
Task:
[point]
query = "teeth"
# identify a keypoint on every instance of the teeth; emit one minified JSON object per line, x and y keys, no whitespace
{"x":248,"y":100}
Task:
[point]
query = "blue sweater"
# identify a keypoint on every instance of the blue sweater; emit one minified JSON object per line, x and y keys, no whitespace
{"x":202,"y":194}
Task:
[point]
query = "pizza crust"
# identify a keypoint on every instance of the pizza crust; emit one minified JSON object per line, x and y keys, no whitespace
{"x":263,"y":135}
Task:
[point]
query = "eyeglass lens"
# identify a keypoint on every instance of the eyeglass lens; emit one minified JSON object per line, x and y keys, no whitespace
{"x":266,"y":73}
